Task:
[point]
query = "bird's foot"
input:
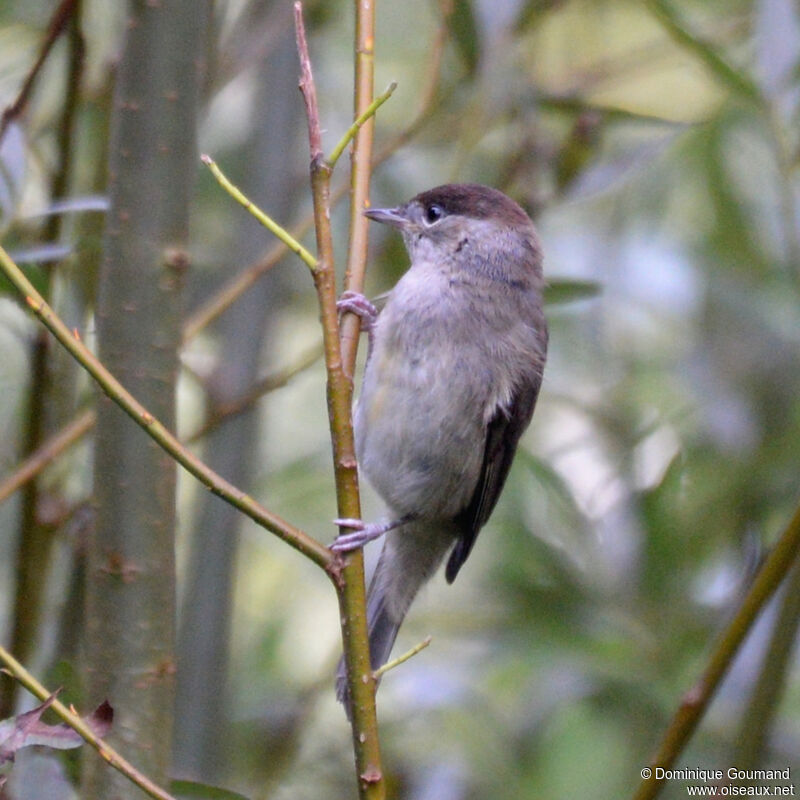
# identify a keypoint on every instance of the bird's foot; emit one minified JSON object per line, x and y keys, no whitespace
{"x":356,"y":303}
{"x":363,"y":532}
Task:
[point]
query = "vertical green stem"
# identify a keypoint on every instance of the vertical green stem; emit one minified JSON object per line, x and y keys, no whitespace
{"x":347,"y":574}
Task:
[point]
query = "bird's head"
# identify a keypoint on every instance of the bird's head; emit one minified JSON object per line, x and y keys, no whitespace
{"x":466,"y":226}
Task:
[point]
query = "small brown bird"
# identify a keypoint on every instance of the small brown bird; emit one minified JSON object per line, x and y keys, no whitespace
{"x":453,"y":372}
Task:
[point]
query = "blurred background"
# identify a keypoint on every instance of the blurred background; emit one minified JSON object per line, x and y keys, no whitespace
{"x":655,"y":145}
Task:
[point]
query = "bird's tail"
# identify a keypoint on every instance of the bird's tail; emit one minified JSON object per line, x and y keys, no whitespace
{"x":410,"y":556}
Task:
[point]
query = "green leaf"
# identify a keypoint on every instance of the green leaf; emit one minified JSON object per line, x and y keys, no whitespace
{"x":565,"y":290}
{"x":465,"y":34}
{"x":191,"y":789}
{"x":737,"y":80}
{"x":556,"y":487}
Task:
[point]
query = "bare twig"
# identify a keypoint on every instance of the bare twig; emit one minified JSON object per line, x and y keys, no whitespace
{"x":107,"y":753}
{"x":114,"y":389}
{"x":261,"y":216}
{"x":364,"y":117}
{"x":396,"y":662}
{"x":55,"y":28}
{"x":49,"y":450}
{"x":360,"y":170}
{"x":349,"y":580}
{"x":697,"y":699}
{"x":307,"y":86}
{"x":269,"y":383}
{"x":239,"y":284}
{"x":757,"y":721}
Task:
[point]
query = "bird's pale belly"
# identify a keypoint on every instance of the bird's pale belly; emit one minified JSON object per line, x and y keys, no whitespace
{"x":418,"y":442}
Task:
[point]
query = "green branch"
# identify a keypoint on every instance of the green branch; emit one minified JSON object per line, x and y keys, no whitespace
{"x":679,"y":31}
{"x":697,"y":699}
{"x":263,"y":218}
{"x":349,"y":579}
{"x":369,"y":112}
{"x":114,"y":389}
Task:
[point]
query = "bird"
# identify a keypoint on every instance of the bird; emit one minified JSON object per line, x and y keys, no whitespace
{"x":453,"y":371}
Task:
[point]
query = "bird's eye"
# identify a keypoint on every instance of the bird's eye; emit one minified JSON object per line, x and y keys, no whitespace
{"x":433,"y":213}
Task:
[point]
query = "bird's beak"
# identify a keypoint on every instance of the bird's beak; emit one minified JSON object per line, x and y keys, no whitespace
{"x":390,"y":216}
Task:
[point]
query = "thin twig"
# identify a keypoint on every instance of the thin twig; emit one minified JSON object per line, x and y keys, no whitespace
{"x":368,"y":113}
{"x":307,"y":86}
{"x":756,"y":723}
{"x":49,"y":450}
{"x":269,"y":383}
{"x":239,"y":284}
{"x":260,"y":215}
{"x":360,"y":171}
{"x":222,"y":300}
{"x":168,"y":441}
{"x":396,"y":662}
{"x":56,"y":26}
{"x":349,"y":580}
{"x":697,"y":699}
{"x":107,"y":753}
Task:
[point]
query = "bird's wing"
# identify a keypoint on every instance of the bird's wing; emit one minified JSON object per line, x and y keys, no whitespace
{"x":502,"y":435}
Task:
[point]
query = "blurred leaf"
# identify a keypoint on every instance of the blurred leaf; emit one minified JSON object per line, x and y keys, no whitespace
{"x":465,"y":34}
{"x":191,"y":789}
{"x":737,"y":80}
{"x":70,"y":205}
{"x":577,"y":105}
{"x":533,"y":11}
{"x":43,"y":253}
{"x":564,"y":533}
{"x":604,"y":175}
{"x":734,"y":237}
{"x":578,"y":148}
{"x":564,"y":290}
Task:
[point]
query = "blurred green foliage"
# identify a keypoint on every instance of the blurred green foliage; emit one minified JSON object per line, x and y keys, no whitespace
{"x":657,"y":146}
